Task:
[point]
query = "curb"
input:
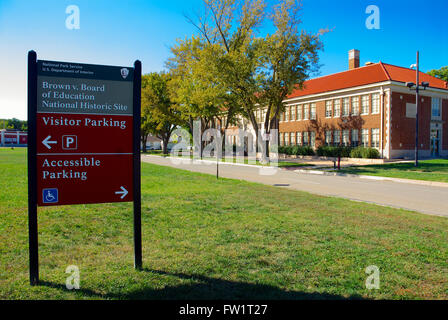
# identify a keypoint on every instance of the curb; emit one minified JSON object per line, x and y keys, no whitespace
{"x":377,"y":178}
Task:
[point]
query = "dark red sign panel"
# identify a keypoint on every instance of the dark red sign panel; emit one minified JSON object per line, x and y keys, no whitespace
{"x":84,"y":134}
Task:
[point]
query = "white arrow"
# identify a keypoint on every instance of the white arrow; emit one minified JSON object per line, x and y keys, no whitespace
{"x":124,"y":192}
{"x":47,"y":142}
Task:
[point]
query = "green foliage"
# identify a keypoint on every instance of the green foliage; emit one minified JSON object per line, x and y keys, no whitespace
{"x":14,"y":124}
{"x":336,"y":151}
{"x":441,"y":73}
{"x":160,"y":115}
{"x":366,"y":153}
{"x":330,"y":151}
{"x":296,"y":150}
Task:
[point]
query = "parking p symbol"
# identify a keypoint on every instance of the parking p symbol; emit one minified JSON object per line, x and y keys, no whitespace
{"x":69,"y":142}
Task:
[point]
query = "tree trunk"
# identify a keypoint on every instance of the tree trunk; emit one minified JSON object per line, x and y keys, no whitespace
{"x":165,"y":145}
{"x":144,"y":140}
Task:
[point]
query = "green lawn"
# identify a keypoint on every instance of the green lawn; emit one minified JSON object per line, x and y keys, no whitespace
{"x":430,"y":170}
{"x":209,"y":239}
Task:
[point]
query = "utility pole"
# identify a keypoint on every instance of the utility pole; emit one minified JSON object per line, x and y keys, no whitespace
{"x":417,"y":100}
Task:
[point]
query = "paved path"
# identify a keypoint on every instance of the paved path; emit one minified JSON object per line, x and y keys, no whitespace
{"x":426,"y":199}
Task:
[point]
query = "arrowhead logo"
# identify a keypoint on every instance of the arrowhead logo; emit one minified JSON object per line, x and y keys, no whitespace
{"x":124,"y":73}
{"x":47,"y":142}
{"x":123,"y":192}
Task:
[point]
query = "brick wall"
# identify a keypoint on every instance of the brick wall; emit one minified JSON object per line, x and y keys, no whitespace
{"x":322,"y":124}
{"x":403,"y":128}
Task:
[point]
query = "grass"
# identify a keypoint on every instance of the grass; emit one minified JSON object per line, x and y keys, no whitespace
{"x":429,"y":170}
{"x":281,"y":164}
{"x":229,"y":239}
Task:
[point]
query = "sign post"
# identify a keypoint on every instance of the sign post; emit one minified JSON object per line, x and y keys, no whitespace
{"x":84,"y":140}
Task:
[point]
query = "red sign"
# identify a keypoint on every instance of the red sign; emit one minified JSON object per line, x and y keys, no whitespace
{"x":84,"y":134}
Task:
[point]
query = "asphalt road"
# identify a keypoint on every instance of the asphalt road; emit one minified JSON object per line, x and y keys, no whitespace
{"x":431,"y":200}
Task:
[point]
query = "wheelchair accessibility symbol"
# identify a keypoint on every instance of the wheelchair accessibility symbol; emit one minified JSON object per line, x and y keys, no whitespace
{"x":50,"y":196}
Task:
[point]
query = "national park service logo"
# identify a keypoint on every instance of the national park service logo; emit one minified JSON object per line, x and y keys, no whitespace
{"x":124,"y":73}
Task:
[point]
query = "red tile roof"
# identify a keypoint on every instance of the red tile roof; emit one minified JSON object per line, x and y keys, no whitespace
{"x":370,"y":74}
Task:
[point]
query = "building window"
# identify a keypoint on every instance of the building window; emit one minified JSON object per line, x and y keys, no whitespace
{"x":328,"y":109}
{"x":282,"y":116}
{"x":299,"y":112}
{"x":346,"y":138}
{"x":337,"y":108}
{"x":293,"y":113}
{"x":282,"y":139}
{"x":299,"y":138}
{"x":337,"y":137}
{"x":355,"y":106}
{"x":293,"y":138}
{"x":287,"y":114}
{"x":328,"y":138}
{"x":375,"y":103}
{"x":313,"y":111}
{"x":313,"y":139}
{"x":365,"y":105}
{"x":306,"y":138}
{"x":306,"y":112}
{"x":286,"y":139}
{"x":435,"y":107}
{"x":365,"y":137}
{"x":345,"y":107}
{"x":375,"y":138}
{"x":355,"y":137}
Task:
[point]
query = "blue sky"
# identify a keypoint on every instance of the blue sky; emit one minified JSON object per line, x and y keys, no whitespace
{"x":117,"y":32}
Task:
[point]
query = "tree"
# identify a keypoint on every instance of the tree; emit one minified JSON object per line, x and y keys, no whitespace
{"x":219,"y":64}
{"x":16,"y":124}
{"x":159,"y":114}
{"x":249,"y":71}
{"x":289,"y":56}
{"x":441,"y":73}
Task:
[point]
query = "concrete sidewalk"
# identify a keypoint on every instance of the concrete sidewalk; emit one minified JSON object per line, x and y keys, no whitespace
{"x":417,"y":197}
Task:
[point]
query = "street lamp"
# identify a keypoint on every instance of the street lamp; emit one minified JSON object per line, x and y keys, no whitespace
{"x":411,"y":86}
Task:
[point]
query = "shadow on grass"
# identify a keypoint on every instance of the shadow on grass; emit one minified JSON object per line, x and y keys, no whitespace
{"x":206,"y":288}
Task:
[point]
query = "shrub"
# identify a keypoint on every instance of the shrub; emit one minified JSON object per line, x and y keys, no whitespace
{"x":339,"y":151}
{"x":296,"y":150}
{"x":370,"y":153}
{"x":366,"y":153}
{"x":356,"y":152}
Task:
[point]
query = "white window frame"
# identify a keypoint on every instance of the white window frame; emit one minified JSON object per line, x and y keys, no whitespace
{"x":345,"y":107}
{"x":364,"y":98}
{"x":365,"y":133}
{"x":299,"y":138}
{"x":306,"y":138}
{"x":355,"y":133}
{"x":439,"y":108}
{"x":346,"y":137}
{"x":328,"y":137}
{"x":328,"y":109}
{"x":337,"y":108}
{"x":337,"y":137}
{"x":355,"y":106}
{"x":299,"y":114}
{"x":313,"y":111}
{"x":375,"y":103}
{"x":375,"y":138}
{"x":306,"y":112}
